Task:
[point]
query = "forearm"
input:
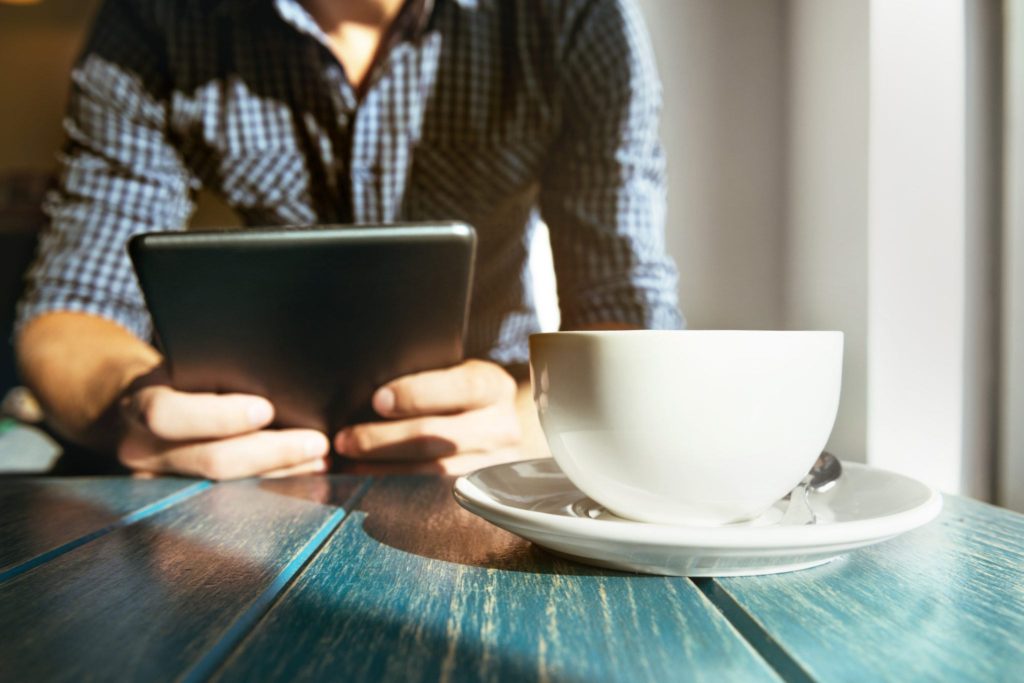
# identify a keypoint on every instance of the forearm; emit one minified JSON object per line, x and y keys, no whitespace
{"x":78,"y":365}
{"x":121,"y":174}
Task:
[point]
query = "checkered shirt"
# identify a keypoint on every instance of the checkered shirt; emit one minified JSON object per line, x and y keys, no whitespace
{"x":493,"y":112}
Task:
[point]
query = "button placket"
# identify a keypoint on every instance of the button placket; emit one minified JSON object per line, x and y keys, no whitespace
{"x":337,"y":142}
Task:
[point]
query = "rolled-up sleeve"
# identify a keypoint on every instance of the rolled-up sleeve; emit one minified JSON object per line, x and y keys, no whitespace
{"x":603,"y":191}
{"x":119,"y":175}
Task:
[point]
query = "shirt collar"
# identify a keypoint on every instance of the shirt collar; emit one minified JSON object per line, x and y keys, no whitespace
{"x":414,"y":18}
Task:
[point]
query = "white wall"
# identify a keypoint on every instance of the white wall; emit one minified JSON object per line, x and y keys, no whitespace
{"x":724,"y":131}
{"x":1010,"y":471}
{"x":916,"y":239}
{"x":982,"y":243}
{"x":826,"y":199}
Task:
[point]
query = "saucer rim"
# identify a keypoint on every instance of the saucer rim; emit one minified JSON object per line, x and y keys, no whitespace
{"x":788,"y":537}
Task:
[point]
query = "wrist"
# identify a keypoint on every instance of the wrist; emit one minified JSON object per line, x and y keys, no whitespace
{"x":78,"y":366}
{"x":114,"y":385}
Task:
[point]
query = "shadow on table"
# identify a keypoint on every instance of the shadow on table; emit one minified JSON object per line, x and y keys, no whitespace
{"x":419,"y":515}
{"x":427,"y":571}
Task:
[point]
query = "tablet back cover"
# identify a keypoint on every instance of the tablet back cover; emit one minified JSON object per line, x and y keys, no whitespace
{"x":313,"y":319}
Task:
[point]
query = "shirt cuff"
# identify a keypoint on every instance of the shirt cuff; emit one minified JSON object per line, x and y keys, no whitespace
{"x":132,"y":318}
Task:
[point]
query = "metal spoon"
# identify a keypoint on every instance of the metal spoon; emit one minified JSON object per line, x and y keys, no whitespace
{"x":823,"y":475}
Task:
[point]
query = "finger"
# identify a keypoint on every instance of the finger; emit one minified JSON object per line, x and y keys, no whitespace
{"x":467,"y":386}
{"x":176,"y":415}
{"x":232,"y":458}
{"x":311,"y":467}
{"x":431,"y":437}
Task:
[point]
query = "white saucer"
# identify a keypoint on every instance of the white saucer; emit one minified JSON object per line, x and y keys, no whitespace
{"x":533,"y":499}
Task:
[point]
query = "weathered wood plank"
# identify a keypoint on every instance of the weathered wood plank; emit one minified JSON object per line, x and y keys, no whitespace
{"x":413,"y":588}
{"x":943,"y":603}
{"x":152,"y":599}
{"x":40,"y":516}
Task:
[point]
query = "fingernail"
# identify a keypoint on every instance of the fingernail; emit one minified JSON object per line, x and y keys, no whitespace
{"x":341,"y":442}
{"x":322,"y":466}
{"x":384,"y":401}
{"x":260,"y":413}
{"x":315,"y":446}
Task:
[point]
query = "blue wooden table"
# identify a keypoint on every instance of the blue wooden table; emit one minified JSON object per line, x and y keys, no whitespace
{"x":347,"y":578}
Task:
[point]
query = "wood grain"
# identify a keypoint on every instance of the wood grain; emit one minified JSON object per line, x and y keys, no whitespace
{"x":943,"y":603}
{"x":40,"y":515}
{"x":150,"y":600}
{"x":413,"y":588}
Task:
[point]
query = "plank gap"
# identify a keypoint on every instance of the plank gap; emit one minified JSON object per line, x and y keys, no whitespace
{"x":751,"y":631}
{"x":221,"y":651}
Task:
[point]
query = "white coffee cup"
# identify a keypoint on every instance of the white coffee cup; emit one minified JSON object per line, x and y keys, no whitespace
{"x":686,"y":427}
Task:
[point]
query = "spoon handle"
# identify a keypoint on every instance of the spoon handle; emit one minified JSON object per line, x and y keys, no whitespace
{"x":799,"y":511}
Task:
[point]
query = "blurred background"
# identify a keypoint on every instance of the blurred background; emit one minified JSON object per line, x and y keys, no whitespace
{"x":855,"y":165}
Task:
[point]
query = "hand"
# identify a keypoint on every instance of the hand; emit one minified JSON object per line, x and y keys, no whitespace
{"x":215,"y":436}
{"x":470,"y":407}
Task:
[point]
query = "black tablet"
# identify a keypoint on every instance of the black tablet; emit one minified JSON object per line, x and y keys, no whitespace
{"x":314,"y":319}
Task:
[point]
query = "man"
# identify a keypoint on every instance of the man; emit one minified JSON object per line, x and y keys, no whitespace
{"x":336,"y":111}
